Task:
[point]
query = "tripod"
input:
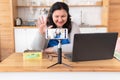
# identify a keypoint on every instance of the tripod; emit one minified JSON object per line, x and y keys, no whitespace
{"x":59,"y":56}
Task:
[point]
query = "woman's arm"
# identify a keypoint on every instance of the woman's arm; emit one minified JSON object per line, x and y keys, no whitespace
{"x":39,"y":42}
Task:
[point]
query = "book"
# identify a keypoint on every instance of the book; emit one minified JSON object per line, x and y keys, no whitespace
{"x":117,"y":49}
{"x":32,"y":55}
{"x":117,"y":55}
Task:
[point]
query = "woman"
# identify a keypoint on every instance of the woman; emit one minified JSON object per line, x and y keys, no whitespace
{"x":58,"y":17}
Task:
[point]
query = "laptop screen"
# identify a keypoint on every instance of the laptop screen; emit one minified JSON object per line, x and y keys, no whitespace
{"x":94,"y":46}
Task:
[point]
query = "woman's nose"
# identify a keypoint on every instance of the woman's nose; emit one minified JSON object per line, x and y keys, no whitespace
{"x":59,"y":19}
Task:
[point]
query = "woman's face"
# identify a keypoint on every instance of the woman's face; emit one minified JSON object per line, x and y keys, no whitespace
{"x":60,"y":17}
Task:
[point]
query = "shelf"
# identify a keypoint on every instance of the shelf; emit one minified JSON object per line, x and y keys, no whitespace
{"x":85,"y":5}
{"x":98,"y":4}
{"x":92,"y":26}
{"x":69,"y":6}
{"x":25,"y":27}
{"x":80,"y":26}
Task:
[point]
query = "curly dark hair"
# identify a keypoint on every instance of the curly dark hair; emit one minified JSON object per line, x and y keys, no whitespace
{"x":59,"y":6}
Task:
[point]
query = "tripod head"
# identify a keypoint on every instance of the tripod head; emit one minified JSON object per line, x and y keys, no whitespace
{"x":57,"y":33}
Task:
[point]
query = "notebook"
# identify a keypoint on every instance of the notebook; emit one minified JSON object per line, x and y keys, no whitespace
{"x":93,"y":46}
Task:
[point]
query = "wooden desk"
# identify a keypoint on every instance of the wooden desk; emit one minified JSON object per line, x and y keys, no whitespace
{"x":15,"y":63}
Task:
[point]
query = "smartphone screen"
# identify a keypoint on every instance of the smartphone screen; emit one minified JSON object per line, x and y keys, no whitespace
{"x":57,"y":33}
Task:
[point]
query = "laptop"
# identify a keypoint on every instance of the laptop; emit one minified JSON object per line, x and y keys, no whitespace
{"x":93,"y":46}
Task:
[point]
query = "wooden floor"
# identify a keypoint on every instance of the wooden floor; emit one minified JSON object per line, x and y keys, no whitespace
{"x":15,"y":63}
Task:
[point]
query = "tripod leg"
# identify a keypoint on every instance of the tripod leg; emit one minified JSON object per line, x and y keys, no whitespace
{"x":59,"y":57}
{"x":52,"y":65}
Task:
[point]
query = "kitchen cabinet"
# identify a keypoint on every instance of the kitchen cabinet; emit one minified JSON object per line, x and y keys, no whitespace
{"x":23,"y":41}
{"x":9,"y":12}
{"x":6,"y":29}
{"x":23,"y":38}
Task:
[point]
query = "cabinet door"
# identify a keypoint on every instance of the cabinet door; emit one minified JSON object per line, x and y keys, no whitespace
{"x":23,"y":39}
{"x":114,"y":18}
{"x":30,"y":37}
{"x":20,"y":40}
{"x":6,"y":28}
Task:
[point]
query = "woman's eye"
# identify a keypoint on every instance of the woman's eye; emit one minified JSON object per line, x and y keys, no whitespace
{"x":60,"y":16}
{"x":63,"y":16}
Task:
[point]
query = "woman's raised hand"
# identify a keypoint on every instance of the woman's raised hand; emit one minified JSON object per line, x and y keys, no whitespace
{"x":41,"y":24}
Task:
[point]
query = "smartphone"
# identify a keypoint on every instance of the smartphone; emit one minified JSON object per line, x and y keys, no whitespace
{"x":57,"y":33}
